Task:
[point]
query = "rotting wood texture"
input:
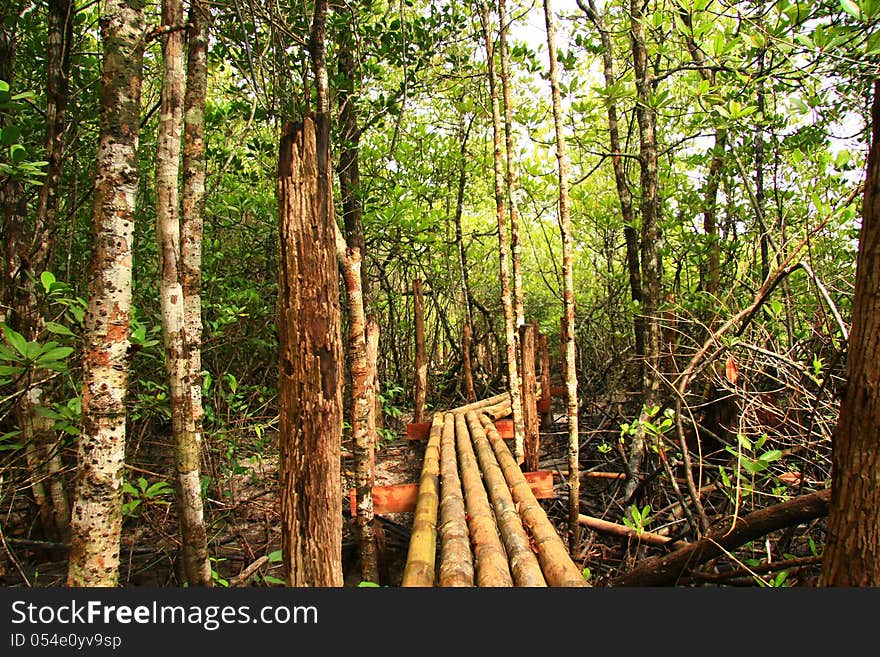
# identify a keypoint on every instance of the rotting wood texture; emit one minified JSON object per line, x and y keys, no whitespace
{"x":310,"y":372}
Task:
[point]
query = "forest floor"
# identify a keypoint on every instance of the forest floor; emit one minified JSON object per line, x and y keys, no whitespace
{"x":244,"y":523}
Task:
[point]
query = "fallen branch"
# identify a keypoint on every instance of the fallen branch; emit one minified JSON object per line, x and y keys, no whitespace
{"x":599,"y":525}
{"x":750,"y":572}
{"x":245,"y":574}
{"x":668,"y":569}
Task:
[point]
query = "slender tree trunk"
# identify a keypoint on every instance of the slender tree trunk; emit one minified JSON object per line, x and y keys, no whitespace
{"x":421,"y":380}
{"x":568,"y":291}
{"x":349,"y":152}
{"x":363,"y":406}
{"x":759,"y":173}
{"x":711,"y":270}
{"x":624,"y":196}
{"x":96,"y":520}
{"x":532,"y":443}
{"x":650,"y":237}
{"x":852,"y":549}
{"x":515,"y":247}
{"x":466,"y":362}
{"x":467,"y":330}
{"x":30,"y":255}
{"x":503,"y":245}
{"x":546,"y":392}
{"x":187,"y":439}
{"x":196,"y":560}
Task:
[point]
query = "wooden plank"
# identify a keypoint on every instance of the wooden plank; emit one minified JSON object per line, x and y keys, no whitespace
{"x":541,"y":483}
{"x":419,"y":430}
{"x":401,"y":498}
{"x":505,"y":428}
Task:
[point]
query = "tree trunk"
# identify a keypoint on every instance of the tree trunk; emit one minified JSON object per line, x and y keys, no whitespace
{"x":466,"y":362}
{"x":546,"y":392}
{"x":515,"y":247}
{"x":624,"y":196}
{"x":363,"y":405}
{"x":30,"y":255}
{"x":852,"y":550}
{"x":574,"y":527}
{"x":349,"y":151}
{"x":421,"y":379}
{"x":503,"y":245}
{"x":192,"y":221}
{"x":96,"y":520}
{"x":650,"y":238}
{"x":187,"y":441}
{"x":531,"y":423}
{"x":467,"y":330}
{"x":310,"y":376}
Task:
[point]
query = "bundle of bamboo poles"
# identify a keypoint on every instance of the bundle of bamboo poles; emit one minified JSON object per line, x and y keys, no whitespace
{"x":492,"y":530}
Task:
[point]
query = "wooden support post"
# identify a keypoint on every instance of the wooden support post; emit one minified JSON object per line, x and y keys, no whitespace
{"x":421,"y":383}
{"x":466,"y":363}
{"x":544,"y":405}
{"x":532,"y":437}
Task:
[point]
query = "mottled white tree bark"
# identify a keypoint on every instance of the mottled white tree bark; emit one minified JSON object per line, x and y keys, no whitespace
{"x":96,"y":520}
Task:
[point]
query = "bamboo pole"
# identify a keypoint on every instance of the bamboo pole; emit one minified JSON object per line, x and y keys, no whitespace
{"x":456,"y":559}
{"x":613,"y":528}
{"x":492,"y":567}
{"x":523,"y":564}
{"x":557,"y":565}
{"x":489,"y":402}
{"x":419,"y":570}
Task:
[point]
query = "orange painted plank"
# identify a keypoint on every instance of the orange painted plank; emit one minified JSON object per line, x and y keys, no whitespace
{"x":505,"y":428}
{"x":419,"y":430}
{"x":541,"y":483}
{"x":401,"y":498}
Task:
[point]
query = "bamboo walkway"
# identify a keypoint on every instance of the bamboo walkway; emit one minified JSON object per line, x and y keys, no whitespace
{"x":477,"y":521}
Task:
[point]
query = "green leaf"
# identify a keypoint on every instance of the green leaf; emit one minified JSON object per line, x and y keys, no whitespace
{"x":59,"y":329}
{"x":851,"y":8}
{"x":17,"y":153}
{"x":771,"y":455}
{"x":754,"y":467}
{"x":16,"y":340}
{"x":47,"y":278}
{"x":57,"y":353}
{"x":275,"y":556}
{"x":9,"y":135}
